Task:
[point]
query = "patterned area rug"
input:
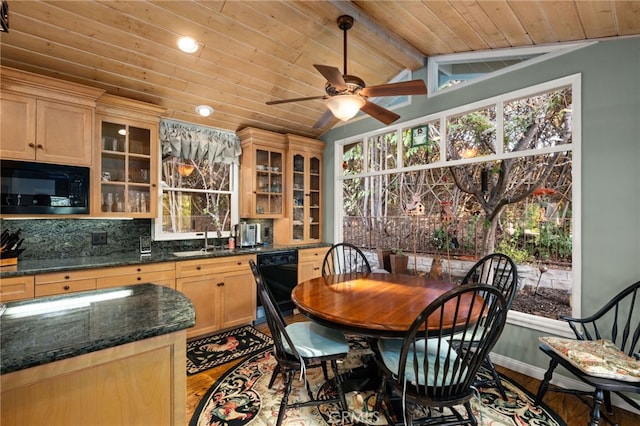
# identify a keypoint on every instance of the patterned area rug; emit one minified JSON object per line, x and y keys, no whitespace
{"x":217,"y":349}
{"x":241,"y":397}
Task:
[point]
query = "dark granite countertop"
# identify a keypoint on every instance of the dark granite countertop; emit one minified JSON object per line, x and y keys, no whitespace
{"x":32,"y":267}
{"x":76,"y":324}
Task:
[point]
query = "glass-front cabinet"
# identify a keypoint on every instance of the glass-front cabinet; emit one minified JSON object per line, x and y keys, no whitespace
{"x":126,"y":169}
{"x":303,"y":222}
{"x":262,"y":173}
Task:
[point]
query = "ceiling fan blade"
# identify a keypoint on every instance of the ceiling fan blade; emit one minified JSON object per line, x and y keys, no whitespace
{"x":413,"y":87}
{"x":323,"y":121}
{"x":379,"y":113}
{"x":284,"y":101}
{"x":333,"y":76}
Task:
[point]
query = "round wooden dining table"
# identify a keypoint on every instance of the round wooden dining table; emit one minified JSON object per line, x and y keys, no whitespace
{"x":375,"y":304}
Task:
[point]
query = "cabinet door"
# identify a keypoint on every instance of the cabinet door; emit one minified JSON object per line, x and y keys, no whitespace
{"x":204,"y":293}
{"x":310,"y":263}
{"x":16,"y":288}
{"x":64,"y":133}
{"x":268,"y":183}
{"x":18,"y":140}
{"x":305,"y":216}
{"x":238,"y":298}
{"x":126,"y":171}
{"x":309,"y":270}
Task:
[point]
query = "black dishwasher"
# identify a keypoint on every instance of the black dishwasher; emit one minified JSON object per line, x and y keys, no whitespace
{"x":279,"y":271}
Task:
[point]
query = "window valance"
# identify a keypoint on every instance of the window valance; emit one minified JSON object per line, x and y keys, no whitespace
{"x":193,"y":142}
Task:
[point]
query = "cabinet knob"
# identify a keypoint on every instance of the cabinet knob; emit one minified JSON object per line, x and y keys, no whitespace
{"x":220,"y":284}
{"x":198,"y":267}
{"x":139,"y":269}
{"x":66,"y":277}
{"x":239,"y":263}
{"x":139,"y":278}
{"x":316,"y":269}
{"x":32,"y":145}
{"x":307,"y":195}
{"x":66,"y":287}
{"x":40,"y":146}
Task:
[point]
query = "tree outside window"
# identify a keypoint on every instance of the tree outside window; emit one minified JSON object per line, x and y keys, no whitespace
{"x":494,"y":177}
{"x":199,"y":178}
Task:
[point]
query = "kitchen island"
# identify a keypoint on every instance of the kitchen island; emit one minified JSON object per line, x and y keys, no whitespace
{"x":107,"y":357}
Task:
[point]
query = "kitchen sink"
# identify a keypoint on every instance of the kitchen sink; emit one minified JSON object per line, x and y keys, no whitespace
{"x":190,"y":253}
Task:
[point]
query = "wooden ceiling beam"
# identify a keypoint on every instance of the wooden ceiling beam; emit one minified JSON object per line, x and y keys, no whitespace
{"x":414,"y":58}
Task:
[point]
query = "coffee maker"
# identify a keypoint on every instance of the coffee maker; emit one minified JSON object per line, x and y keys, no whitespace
{"x":247,"y":234}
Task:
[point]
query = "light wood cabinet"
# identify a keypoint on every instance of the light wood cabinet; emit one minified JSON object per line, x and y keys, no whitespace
{"x":310,"y":263}
{"x":65,"y":282}
{"x":16,"y":288}
{"x":126,"y":165}
{"x":138,"y":383}
{"x":262,"y":174}
{"x":90,"y":279}
{"x":222,"y":290}
{"x":51,"y":120}
{"x":303,"y":209}
{"x":156,"y":273}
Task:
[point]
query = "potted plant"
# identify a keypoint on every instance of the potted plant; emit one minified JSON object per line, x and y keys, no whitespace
{"x":399,"y":262}
{"x":383,"y":258}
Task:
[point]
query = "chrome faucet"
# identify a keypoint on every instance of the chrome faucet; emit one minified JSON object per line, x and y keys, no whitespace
{"x":207,"y":246}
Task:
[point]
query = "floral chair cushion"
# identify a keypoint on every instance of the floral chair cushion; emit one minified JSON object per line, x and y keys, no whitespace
{"x":599,"y":358}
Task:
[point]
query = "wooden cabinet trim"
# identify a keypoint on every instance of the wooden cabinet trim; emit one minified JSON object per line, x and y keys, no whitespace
{"x":17,"y":288}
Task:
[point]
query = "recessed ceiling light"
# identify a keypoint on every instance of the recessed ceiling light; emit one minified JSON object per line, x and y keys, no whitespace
{"x":187,"y":44}
{"x":204,"y":110}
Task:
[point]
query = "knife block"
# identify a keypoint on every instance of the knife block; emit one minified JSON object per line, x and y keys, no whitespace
{"x":8,"y":261}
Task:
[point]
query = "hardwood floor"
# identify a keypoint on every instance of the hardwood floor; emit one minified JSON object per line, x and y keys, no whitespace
{"x":569,"y":407}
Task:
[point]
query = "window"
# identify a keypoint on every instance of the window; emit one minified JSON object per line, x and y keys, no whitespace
{"x":497,"y":175}
{"x":199,"y":182}
{"x":447,"y":72}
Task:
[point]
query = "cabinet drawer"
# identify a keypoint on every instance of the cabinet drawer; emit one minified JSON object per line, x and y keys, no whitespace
{"x":166,"y":278}
{"x":319,"y":253}
{"x":137,"y":269}
{"x":63,"y":287}
{"x":57,"y":277}
{"x":16,"y":288}
{"x":192,"y":268}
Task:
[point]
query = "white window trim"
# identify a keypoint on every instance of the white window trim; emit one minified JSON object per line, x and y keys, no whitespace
{"x":546,"y":325}
{"x":545,"y":52}
{"x":234,"y":190}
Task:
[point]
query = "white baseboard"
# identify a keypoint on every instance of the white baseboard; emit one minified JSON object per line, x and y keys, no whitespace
{"x":558,"y":379}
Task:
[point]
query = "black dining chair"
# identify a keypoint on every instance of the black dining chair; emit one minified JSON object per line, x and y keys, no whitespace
{"x":425,"y":370}
{"x":499,"y":271}
{"x":344,"y":258}
{"x":615,"y":328}
{"x":299,"y":346}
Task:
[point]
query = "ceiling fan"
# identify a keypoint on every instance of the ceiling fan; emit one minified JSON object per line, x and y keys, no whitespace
{"x":347,"y":94}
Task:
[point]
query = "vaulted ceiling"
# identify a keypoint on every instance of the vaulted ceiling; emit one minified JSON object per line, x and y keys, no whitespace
{"x":252,"y":52}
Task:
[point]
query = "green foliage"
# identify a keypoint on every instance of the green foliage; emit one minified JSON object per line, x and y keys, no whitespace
{"x":519,"y":256}
{"x":439,"y":238}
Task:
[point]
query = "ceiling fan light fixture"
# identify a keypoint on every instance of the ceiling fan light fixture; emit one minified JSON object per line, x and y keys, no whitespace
{"x":204,"y":110}
{"x":345,"y":107}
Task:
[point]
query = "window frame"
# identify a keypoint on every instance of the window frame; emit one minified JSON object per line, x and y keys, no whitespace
{"x":234,"y":188}
{"x":543,"y":324}
{"x":543,"y":53}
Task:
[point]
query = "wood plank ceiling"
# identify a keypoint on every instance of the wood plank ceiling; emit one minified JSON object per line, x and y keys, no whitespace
{"x":255,"y":51}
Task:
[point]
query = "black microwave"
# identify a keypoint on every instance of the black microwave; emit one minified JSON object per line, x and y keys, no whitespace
{"x":29,"y":188}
